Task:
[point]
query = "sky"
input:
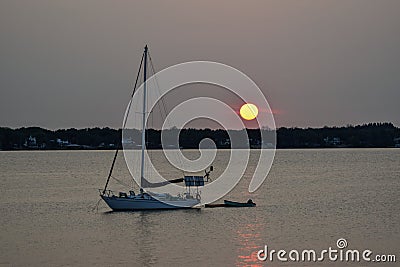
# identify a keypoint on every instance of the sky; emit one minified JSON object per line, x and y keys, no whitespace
{"x":72,"y":63}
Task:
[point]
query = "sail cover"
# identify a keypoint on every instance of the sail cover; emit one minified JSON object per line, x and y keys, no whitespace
{"x":147,"y":184}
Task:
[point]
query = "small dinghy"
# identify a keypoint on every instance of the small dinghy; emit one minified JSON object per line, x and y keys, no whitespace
{"x":249,"y":203}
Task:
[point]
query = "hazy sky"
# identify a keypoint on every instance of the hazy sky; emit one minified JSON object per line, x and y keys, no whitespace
{"x":72,"y":63}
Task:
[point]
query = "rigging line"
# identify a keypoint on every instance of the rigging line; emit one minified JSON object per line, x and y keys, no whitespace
{"x":96,"y":207}
{"x":165,"y":111}
{"x":133,"y":92}
{"x":164,"y":106}
{"x":120,"y":182}
{"x":111,"y":169}
{"x":123,"y":126}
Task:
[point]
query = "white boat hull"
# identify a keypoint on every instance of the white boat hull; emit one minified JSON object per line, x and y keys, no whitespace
{"x":132,"y":204}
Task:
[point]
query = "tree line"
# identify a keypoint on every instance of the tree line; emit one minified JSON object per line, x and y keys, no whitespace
{"x":366,"y":135}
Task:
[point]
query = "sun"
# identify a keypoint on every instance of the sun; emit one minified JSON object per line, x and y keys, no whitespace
{"x":249,"y":111}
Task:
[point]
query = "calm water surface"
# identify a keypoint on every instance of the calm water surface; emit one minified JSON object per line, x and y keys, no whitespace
{"x":310,"y":199}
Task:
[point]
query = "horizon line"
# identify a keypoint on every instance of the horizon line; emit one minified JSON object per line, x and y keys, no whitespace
{"x":207,"y":128}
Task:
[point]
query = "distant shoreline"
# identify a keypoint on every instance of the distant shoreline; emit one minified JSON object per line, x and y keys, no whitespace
{"x":372,"y":135}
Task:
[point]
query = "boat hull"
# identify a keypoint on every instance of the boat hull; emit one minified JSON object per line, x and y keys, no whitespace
{"x":132,"y":204}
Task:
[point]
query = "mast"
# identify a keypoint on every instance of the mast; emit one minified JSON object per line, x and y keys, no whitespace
{"x":143,"y":116}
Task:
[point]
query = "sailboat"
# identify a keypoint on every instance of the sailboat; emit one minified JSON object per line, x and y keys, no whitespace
{"x":148,"y":200}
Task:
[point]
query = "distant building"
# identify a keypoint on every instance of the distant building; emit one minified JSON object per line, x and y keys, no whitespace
{"x":396,"y":142}
{"x":31,"y":142}
{"x":333,"y":141}
{"x":61,"y":142}
{"x":267,"y":145}
{"x":226,"y":142}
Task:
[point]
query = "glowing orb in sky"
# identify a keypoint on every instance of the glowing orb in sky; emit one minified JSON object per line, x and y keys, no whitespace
{"x":249,"y":111}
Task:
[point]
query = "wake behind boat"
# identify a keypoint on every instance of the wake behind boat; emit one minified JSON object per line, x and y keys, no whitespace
{"x":149,"y":200}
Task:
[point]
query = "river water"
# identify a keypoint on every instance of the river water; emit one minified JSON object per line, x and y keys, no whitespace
{"x":310,"y":199}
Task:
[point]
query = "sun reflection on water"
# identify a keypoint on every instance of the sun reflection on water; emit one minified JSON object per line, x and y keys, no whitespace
{"x":249,"y":240}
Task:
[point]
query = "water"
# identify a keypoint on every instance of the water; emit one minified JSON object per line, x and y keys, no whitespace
{"x":310,"y":199}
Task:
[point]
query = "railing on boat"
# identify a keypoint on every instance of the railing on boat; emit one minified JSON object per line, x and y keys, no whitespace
{"x":108,"y":193}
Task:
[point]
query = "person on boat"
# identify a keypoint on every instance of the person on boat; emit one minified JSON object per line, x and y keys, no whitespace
{"x":141,"y":193}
